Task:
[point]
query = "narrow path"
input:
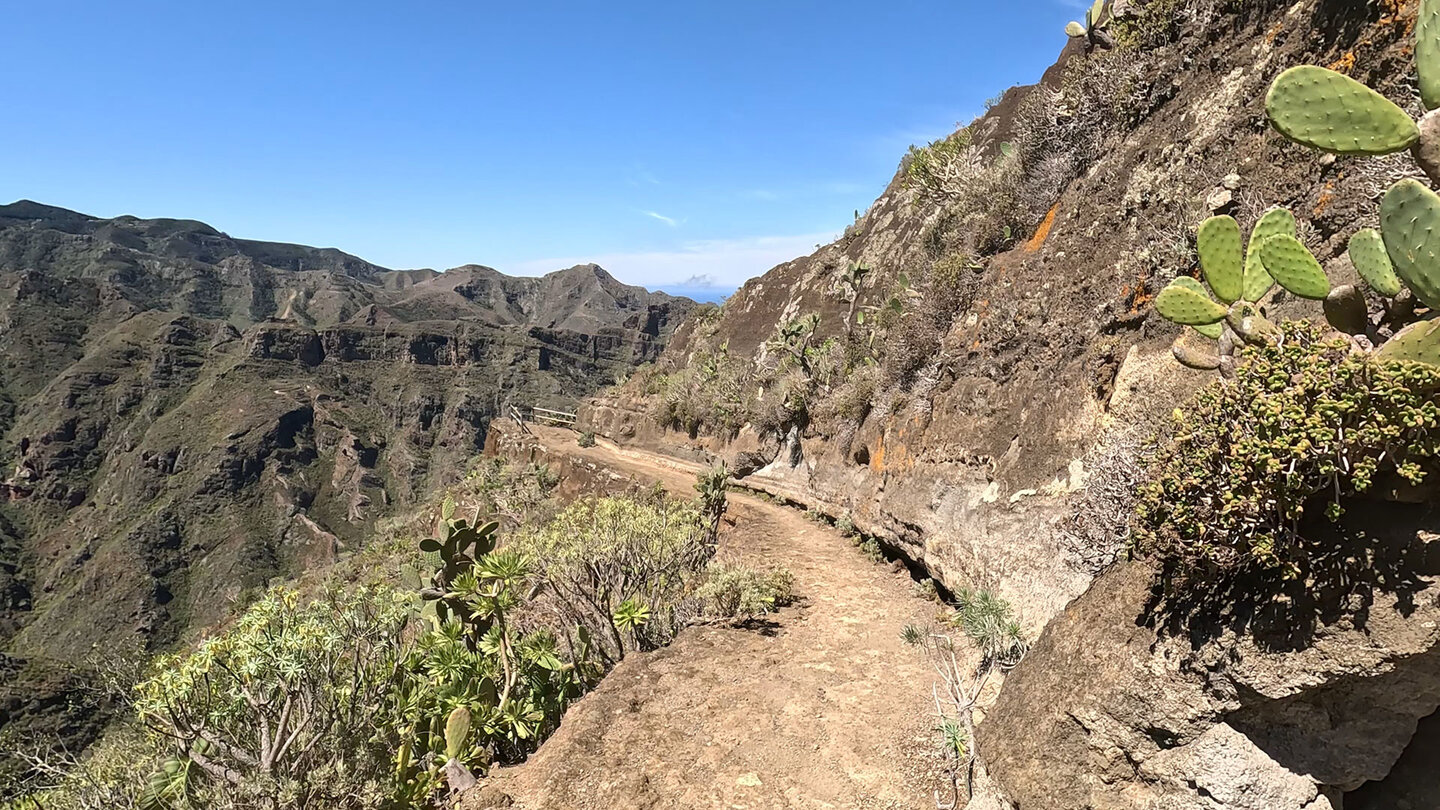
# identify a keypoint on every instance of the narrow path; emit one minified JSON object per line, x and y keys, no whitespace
{"x":822,"y":707}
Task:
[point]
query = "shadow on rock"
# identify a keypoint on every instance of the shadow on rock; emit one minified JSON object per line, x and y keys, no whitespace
{"x":1377,"y":547}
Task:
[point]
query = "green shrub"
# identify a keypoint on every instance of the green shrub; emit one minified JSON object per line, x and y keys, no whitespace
{"x":587,"y":439}
{"x":1304,"y":426}
{"x":1154,"y":24}
{"x":289,"y":707}
{"x":871,"y":548}
{"x":711,"y":489}
{"x":990,"y":624}
{"x":599,"y":553}
{"x":111,"y":774}
{"x":734,"y":591}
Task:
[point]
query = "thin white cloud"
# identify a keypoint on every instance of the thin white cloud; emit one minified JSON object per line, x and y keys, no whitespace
{"x":643,"y":176}
{"x":667,"y":220}
{"x":726,"y":263}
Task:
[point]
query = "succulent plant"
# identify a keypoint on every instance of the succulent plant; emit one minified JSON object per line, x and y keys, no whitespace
{"x":1345,"y":310}
{"x":1409,"y":216}
{"x":457,"y":729}
{"x":1416,"y":343}
{"x":1191,"y":357}
{"x":1244,"y":319}
{"x":1182,"y":303}
{"x":1092,"y":27}
{"x":1258,"y":281}
{"x":1330,"y":111}
{"x":1221,"y":258}
{"x":1291,"y":264}
{"x":1235,"y":272}
{"x":1367,"y":253}
{"x":450,"y":555}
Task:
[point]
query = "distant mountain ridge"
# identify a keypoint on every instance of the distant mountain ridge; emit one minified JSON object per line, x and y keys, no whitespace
{"x":185,"y":415}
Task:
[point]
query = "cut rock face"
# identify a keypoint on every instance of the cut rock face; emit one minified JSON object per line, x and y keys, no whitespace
{"x":1106,"y":712}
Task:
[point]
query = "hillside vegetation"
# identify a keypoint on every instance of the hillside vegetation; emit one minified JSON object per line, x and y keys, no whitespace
{"x":185,"y":416}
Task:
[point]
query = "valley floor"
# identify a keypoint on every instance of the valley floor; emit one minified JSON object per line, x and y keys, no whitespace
{"x":820,"y":706}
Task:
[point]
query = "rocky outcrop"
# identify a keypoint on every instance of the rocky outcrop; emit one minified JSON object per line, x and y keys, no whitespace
{"x":1008,"y":459}
{"x":1307,"y":703}
{"x":1005,"y":459}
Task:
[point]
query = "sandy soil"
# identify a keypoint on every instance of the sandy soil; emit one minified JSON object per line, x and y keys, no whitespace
{"x":821,"y":707}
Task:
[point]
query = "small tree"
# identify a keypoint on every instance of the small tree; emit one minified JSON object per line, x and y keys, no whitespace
{"x":279,"y":705}
{"x":988,"y":622}
{"x":711,"y":487}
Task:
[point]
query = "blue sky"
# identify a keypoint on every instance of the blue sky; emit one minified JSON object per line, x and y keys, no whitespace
{"x":697,"y":142}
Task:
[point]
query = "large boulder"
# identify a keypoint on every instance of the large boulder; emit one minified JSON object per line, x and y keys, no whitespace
{"x":1284,"y":704}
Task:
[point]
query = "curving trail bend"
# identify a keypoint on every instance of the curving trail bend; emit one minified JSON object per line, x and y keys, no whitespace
{"x":823,"y":706}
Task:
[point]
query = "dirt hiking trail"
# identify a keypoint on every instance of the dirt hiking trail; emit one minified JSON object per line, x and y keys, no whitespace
{"x":820,"y":706}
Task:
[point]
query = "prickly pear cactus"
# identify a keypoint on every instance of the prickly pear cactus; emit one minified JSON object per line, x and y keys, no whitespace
{"x":457,"y":729}
{"x":1221,"y":257}
{"x":1427,"y":52}
{"x":1245,"y":320}
{"x":1183,"y":304}
{"x":1292,"y":265}
{"x":1075,"y":29}
{"x":1367,"y":253}
{"x":1209,"y":330}
{"x":1330,"y":111}
{"x":1258,"y":281}
{"x":1416,"y":343}
{"x":1409,"y":218}
{"x":1191,"y":357}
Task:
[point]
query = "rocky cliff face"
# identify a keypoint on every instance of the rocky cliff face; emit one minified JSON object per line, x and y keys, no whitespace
{"x":1003,"y":452}
{"x":1313,"y":703}
{"x":186,"y":415}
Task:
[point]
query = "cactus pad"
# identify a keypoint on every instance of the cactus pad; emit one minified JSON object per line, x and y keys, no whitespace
{"x":1367,"y":253}
{"x":1075,"y":29}
{"x":1275,"y":222}
{"x":1345,"y":310}
{"x":1182,"y":304}
{"x":1221,"y":257}
{"x":1191,"y":357}
{"x":1209,"y":330}
{"x":457,"y":728}
{"x":1409,"y":218}
{"x":1333,"y":112}
{"x":1427,"y":52}
{"x":1291,"y":264}
{"x":1416,"y":343}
